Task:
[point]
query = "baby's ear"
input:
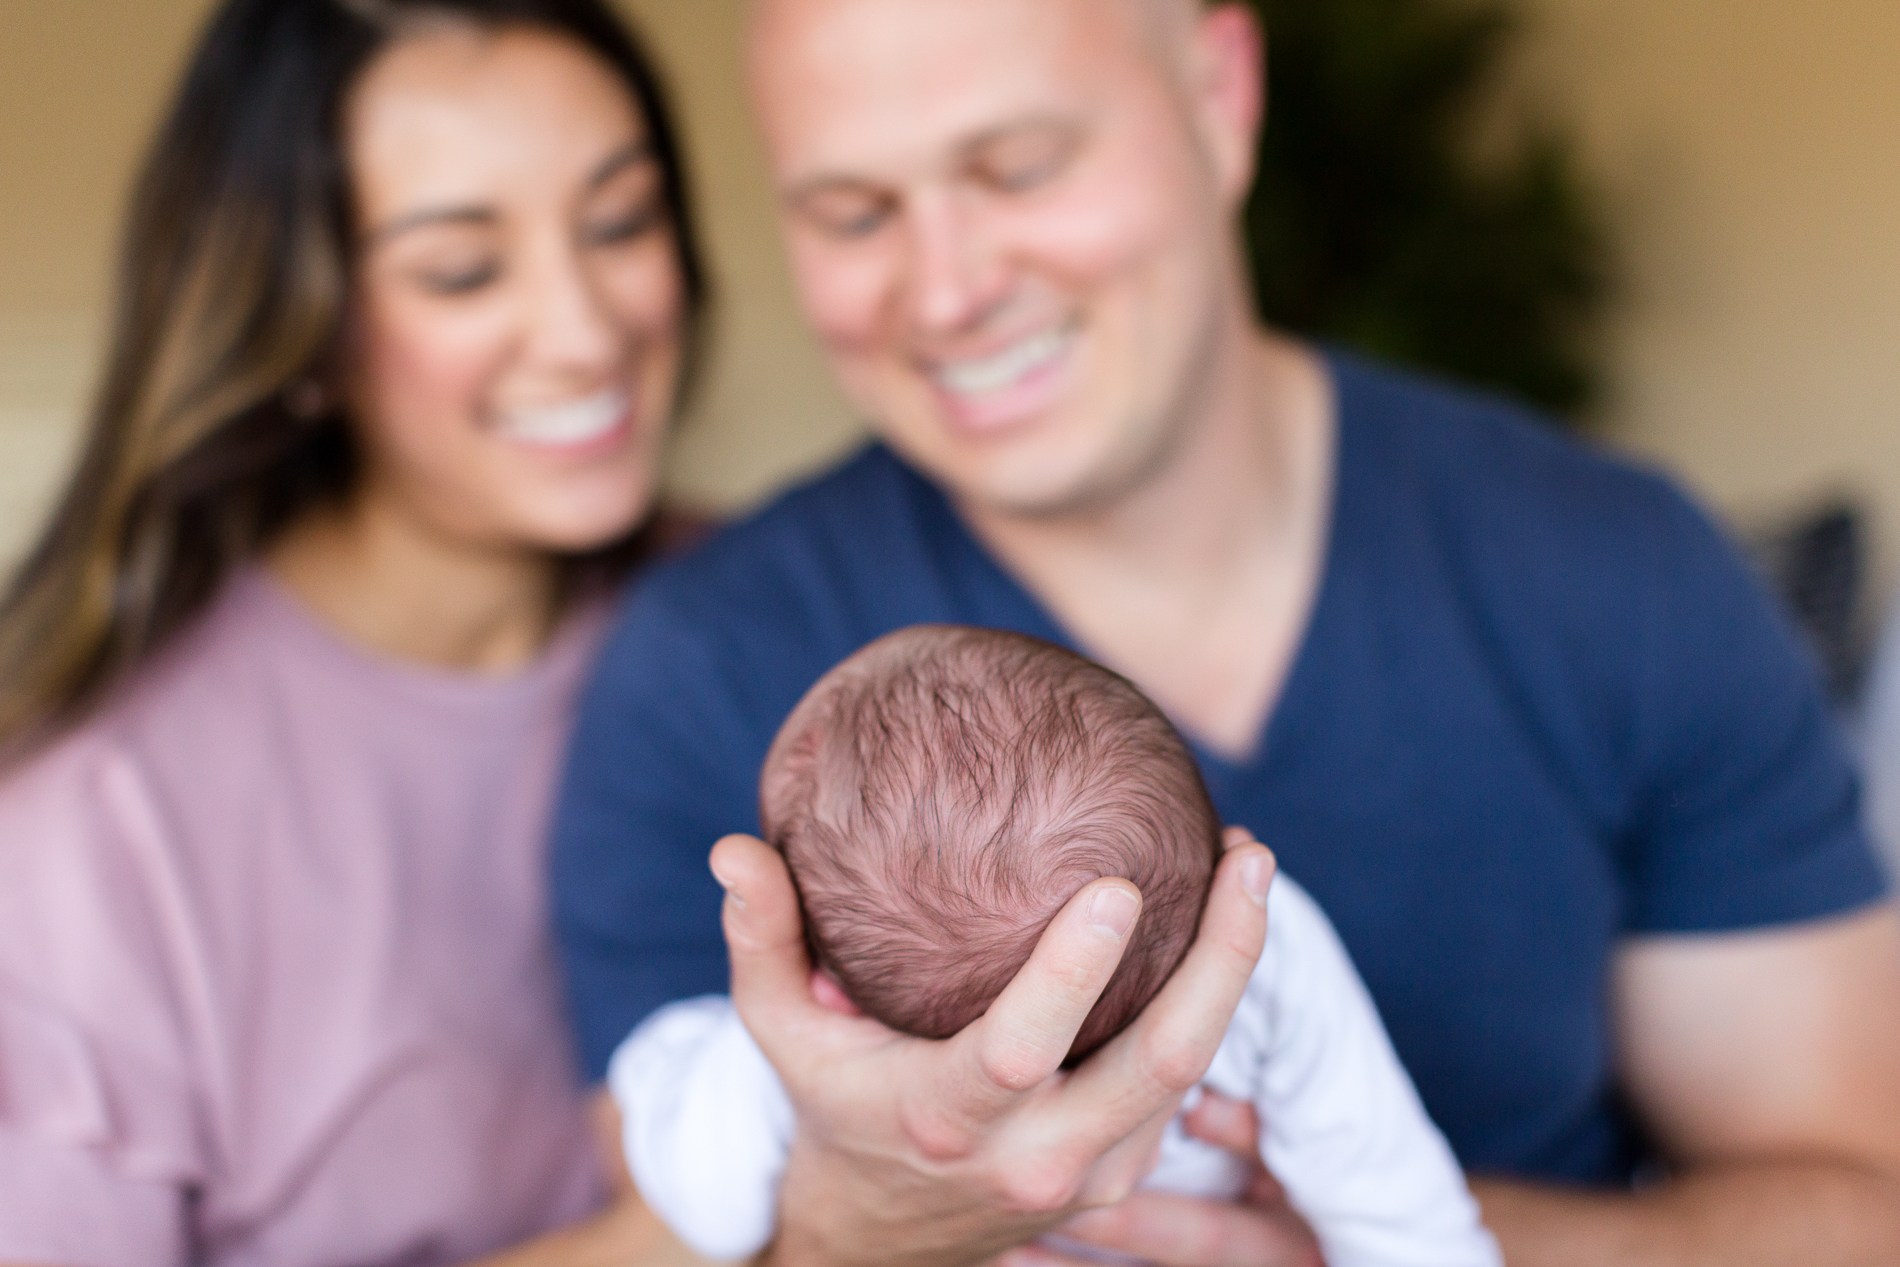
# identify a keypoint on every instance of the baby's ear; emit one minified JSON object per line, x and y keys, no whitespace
{"x":831,"y":996}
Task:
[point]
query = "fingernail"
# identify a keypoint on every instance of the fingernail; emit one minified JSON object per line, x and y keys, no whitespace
{"x":1256,"y":877}
{"x":732,"y":894}
{"x":1112,"y":912}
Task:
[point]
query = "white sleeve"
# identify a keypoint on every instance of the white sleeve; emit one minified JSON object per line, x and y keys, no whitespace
{"x":707,"y":1126}
{"x":1342,"y":1126}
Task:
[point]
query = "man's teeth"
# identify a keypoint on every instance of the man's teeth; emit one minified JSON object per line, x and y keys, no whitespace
{"x":575,"y":422}
{"x":1006,"y":368}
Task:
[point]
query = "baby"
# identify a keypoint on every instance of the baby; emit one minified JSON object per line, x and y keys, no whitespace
{"x":938,"y":797}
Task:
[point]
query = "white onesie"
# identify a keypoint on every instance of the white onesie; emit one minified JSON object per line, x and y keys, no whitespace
{"x":708,"y":1124}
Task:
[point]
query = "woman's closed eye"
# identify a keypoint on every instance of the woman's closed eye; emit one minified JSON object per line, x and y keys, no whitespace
{"x":460,"y":278}
{"x":627,"y":203}
{"x":627,"y":227}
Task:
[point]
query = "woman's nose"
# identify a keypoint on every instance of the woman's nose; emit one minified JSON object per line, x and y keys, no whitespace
{"x":569,"y":324}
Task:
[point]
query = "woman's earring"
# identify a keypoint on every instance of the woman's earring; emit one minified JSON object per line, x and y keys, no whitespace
{"x":306,"y":400}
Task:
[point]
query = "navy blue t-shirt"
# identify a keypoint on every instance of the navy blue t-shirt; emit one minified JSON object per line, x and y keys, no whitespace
{"x":1540,"y":707}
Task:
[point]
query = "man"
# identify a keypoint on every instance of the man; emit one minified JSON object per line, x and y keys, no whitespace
{"x":1512,"y":712}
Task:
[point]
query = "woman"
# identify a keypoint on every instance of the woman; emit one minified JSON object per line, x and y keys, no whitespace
{"x":408,"y":292}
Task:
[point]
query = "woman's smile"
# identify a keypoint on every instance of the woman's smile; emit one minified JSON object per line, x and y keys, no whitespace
{"x":584,"y":426}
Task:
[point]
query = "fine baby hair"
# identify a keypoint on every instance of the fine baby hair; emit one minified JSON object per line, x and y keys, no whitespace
{"x":942,"y":793}
{"x":938,"y":797}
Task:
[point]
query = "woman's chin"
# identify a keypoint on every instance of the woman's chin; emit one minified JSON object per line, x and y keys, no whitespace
{"x":577,"y":530}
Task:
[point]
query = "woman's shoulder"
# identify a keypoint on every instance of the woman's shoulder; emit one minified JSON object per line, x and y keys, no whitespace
{"x":182,"y":718}
{"x":52,"y":794}
{"x":83,"y":817}
{"x":96,"y":924}
{"x":179,"y":691}
{"x":76,"y":829}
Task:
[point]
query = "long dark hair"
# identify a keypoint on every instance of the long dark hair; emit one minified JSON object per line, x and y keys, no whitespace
{"x":231,"y":290}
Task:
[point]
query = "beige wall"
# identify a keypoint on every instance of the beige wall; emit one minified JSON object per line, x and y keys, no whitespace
{"x":1752,"y":152}
{"x":1750,"y":148}
{"x":79,"y":84}
{"x":768,"y":407}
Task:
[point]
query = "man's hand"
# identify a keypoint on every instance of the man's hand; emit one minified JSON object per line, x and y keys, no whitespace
{"x":918,"y":1152}
{"x":1259,"y":1230}
{"x":1767,"y":1065}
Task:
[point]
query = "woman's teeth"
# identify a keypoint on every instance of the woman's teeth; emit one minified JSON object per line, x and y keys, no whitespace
{"x":576,"y":422}
{"x":1008,"y":367}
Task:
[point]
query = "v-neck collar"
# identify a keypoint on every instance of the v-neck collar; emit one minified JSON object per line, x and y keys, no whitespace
{"x":1008,"y":603}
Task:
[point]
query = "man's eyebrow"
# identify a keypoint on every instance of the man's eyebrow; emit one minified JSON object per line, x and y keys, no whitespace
{"x":1017,"y":127}
{"x":630,"y":155}
{"x":827,"y":182}
{"x":965,"y":149}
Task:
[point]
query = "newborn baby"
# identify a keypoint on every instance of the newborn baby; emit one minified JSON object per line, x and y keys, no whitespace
{"x":938,"y":797}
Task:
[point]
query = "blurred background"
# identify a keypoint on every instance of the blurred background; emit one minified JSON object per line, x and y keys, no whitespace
{"x":1702,"y":195}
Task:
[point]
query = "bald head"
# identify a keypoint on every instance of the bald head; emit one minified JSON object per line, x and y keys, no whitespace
{"x":1171,"y":18}
{"x":1168,"y":12}
{"x":1012,"y":224}
{"x":1147,"y":10}
{"x":1161,"y":28}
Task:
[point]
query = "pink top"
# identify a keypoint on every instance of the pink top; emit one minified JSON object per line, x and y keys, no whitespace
{"x":276,"y":984}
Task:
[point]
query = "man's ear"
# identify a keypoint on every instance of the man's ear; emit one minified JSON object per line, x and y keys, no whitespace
{"x":1227,"y":87}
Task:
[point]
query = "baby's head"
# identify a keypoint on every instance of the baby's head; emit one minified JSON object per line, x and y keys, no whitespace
{"x":941,"y":794}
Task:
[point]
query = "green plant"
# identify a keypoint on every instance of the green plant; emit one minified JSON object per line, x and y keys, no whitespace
{"x":1378,"y":224}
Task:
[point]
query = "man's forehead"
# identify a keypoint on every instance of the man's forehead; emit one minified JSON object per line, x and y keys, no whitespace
{"x":786,"y":17}
{"x":1146,"y":8}
{"x":864,"y":71}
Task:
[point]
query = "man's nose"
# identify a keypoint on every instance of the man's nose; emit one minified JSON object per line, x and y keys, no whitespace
{"x":956,"y":272}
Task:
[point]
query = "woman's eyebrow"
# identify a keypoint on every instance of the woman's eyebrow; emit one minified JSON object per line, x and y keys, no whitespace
{"x":471,"y":215}
{"x":631,"y":154}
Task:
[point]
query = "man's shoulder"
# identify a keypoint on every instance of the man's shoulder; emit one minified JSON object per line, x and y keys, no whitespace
{"x":1483,"y":453}
{"x":1508,"y":497}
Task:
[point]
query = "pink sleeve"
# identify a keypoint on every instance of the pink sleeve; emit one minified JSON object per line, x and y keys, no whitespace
{"x":99,"y":1126}
{"x":66,"y":1207}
